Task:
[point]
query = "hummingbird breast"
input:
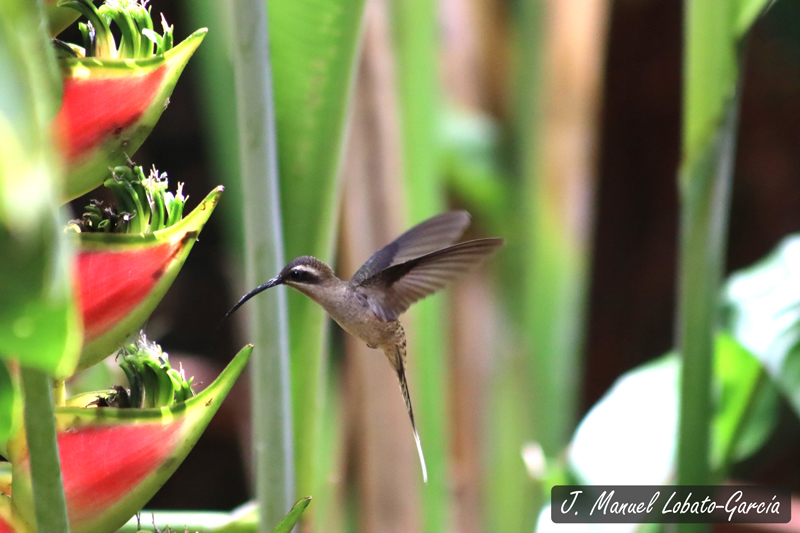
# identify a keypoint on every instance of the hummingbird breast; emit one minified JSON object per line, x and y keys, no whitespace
{"x":354,"y":314}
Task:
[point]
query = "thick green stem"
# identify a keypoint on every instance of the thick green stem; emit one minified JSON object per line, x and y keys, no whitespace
{"x":704,"y":216}
{"x":709,"y":144}
{"x":528,"y":95}
{"x":559,"y":80}
{"x":511,"y":489}
{"x":40,"y":430}
{"x":416,"y":32}
{"x":271,"y":388}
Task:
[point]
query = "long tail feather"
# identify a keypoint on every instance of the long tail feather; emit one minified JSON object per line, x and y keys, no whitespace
{"x":401,"y":375}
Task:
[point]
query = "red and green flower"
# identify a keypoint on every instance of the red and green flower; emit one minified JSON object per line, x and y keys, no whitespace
{"x":114,"y":94}
{"x":114,"y":459}
{"x":116,"y":447}
{"x":129,"y":256}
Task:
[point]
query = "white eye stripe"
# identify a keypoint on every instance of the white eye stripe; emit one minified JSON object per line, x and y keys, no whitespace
{"x":306,"y":269}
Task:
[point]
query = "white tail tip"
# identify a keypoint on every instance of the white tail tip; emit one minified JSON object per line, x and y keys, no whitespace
{"x":421,"y":458}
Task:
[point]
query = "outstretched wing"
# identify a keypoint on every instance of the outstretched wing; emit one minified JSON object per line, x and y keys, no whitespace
{"x":426,"y":237}
{"x":391,"y":291}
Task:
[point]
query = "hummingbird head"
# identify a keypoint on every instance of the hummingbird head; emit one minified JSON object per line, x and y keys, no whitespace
{"x":307,"y":274}
{"x":304,"y":273}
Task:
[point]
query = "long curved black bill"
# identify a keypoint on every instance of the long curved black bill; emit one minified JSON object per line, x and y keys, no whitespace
{"x":261,"y":288}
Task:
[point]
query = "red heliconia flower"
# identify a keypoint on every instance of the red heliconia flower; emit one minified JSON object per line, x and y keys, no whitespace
{"x":114,"y":96}
{"x":120,"y":278}
{"x":113,"y":460}
{"x":110,"y":107}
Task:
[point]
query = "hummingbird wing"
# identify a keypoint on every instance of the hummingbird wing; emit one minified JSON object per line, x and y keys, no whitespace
{"x":428,"y":236}
{"x":391,"y":291}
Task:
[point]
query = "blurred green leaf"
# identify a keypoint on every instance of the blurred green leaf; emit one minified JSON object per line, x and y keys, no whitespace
{"x":471,"y":163}
{"x":327,"y":513}
{"x":746,"y":410}
{"x":629,"y":436}
{"x":313,"y":46}
{"x":749,"y":11}
{"x":38,"y":321}
{"x":59,"y":18}
{"x":39,"y":325}
{"x":214,"y":70}
{"x":6,"y":406}
{"x":763,"y":314}
{"x":31,"y":82}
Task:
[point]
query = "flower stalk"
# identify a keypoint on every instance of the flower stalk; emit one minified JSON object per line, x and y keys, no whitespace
{"x":45,"y":472}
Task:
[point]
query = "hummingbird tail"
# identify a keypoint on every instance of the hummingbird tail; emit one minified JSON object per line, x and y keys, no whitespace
{"x":401,"y":375}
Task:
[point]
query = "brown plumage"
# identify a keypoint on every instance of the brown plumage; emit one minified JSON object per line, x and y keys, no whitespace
{"x":418,"y":263}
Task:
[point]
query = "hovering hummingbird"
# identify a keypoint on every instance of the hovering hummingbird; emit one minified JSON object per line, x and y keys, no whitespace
{"x":416,"y":264}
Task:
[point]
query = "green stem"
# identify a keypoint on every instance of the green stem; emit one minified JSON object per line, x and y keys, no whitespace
{"x":416,"y":30}
{"x":549,"y":417}
{"x":705,"y":181}
{"x":271,"y":389}
{"x":40,"y":430}
{"x":704,"y":214}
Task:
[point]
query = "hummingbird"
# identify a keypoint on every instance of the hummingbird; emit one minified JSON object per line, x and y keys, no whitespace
{"x":415,"y":265}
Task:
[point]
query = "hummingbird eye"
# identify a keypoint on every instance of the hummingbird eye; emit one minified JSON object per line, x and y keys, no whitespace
{"x":301,"y":275}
